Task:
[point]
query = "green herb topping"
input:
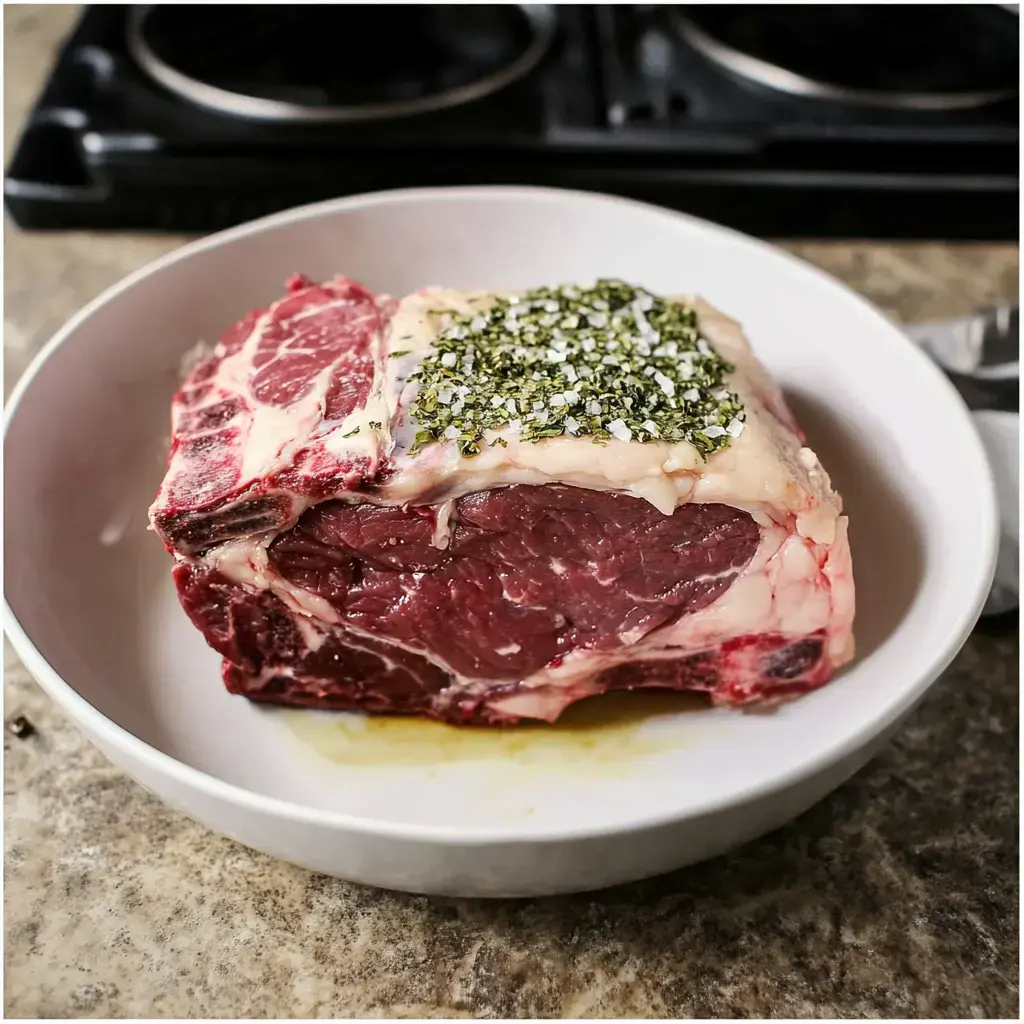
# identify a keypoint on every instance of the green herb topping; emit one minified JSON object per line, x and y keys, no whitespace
{"x":601,"y":362}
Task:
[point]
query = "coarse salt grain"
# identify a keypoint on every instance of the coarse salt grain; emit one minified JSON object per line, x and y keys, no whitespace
{"x":665,"y":384}
{"x":619,"y":430}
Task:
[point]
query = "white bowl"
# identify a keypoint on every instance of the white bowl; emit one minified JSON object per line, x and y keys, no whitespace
{"x":92,"y":612}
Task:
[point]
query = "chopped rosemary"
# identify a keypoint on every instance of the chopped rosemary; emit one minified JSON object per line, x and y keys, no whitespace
{"x":611,"y":361}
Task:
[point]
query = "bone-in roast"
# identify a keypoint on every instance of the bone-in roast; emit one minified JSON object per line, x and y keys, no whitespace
{"x":480,"y":507}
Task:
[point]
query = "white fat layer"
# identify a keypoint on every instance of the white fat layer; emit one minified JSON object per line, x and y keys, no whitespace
{"x":277,"y":432}
{"x":312,"y":636}
{"x":442,"y":528}
{"x":764,"y":468}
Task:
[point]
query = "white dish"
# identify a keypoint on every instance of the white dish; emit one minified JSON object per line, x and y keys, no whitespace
{"x":92,"y":612}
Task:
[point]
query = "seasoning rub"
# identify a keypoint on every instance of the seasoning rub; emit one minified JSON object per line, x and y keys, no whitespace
{"x":609,"y":361}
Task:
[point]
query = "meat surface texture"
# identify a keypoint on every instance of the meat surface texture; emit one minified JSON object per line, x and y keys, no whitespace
{"x":336,"y":567}
{"x":262,"y":427}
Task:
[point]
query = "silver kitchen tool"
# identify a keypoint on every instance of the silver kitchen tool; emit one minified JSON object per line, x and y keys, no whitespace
{"x":981,"y":355}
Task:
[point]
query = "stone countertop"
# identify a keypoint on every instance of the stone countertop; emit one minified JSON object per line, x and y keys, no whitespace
{"x":896,"y":897}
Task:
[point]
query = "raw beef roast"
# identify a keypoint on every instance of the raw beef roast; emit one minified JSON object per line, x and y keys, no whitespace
{"x":341,"y":547}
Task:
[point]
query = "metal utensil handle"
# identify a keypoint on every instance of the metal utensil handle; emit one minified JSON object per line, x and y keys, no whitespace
{"x":981,"y":356}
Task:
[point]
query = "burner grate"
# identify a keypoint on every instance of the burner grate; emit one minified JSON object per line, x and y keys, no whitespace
{"x":921,"y":57}
{"x":337,"y":62}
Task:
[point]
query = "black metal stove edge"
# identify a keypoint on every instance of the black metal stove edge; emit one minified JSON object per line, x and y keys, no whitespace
{"x":791,"y":205}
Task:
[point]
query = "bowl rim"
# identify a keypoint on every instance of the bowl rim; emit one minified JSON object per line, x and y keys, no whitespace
{"x":106,"y":733}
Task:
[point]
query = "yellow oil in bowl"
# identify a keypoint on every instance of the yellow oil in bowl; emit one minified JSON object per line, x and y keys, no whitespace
{"x":607,"y":730}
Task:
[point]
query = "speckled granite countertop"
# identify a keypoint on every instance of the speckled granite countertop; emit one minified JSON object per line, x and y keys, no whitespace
{"x":897,"y":897}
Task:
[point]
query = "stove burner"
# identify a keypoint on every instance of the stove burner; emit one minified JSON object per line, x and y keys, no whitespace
{"x":927,"y":57}
{"x":337,"y":62}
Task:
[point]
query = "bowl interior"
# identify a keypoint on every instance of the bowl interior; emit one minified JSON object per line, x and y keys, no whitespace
{"x":90,"y":589}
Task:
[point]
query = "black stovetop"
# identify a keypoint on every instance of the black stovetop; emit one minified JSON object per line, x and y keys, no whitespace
{"x":620,"y":101}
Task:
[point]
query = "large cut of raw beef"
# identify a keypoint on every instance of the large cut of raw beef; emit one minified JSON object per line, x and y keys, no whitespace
{"x":335,"y":561}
